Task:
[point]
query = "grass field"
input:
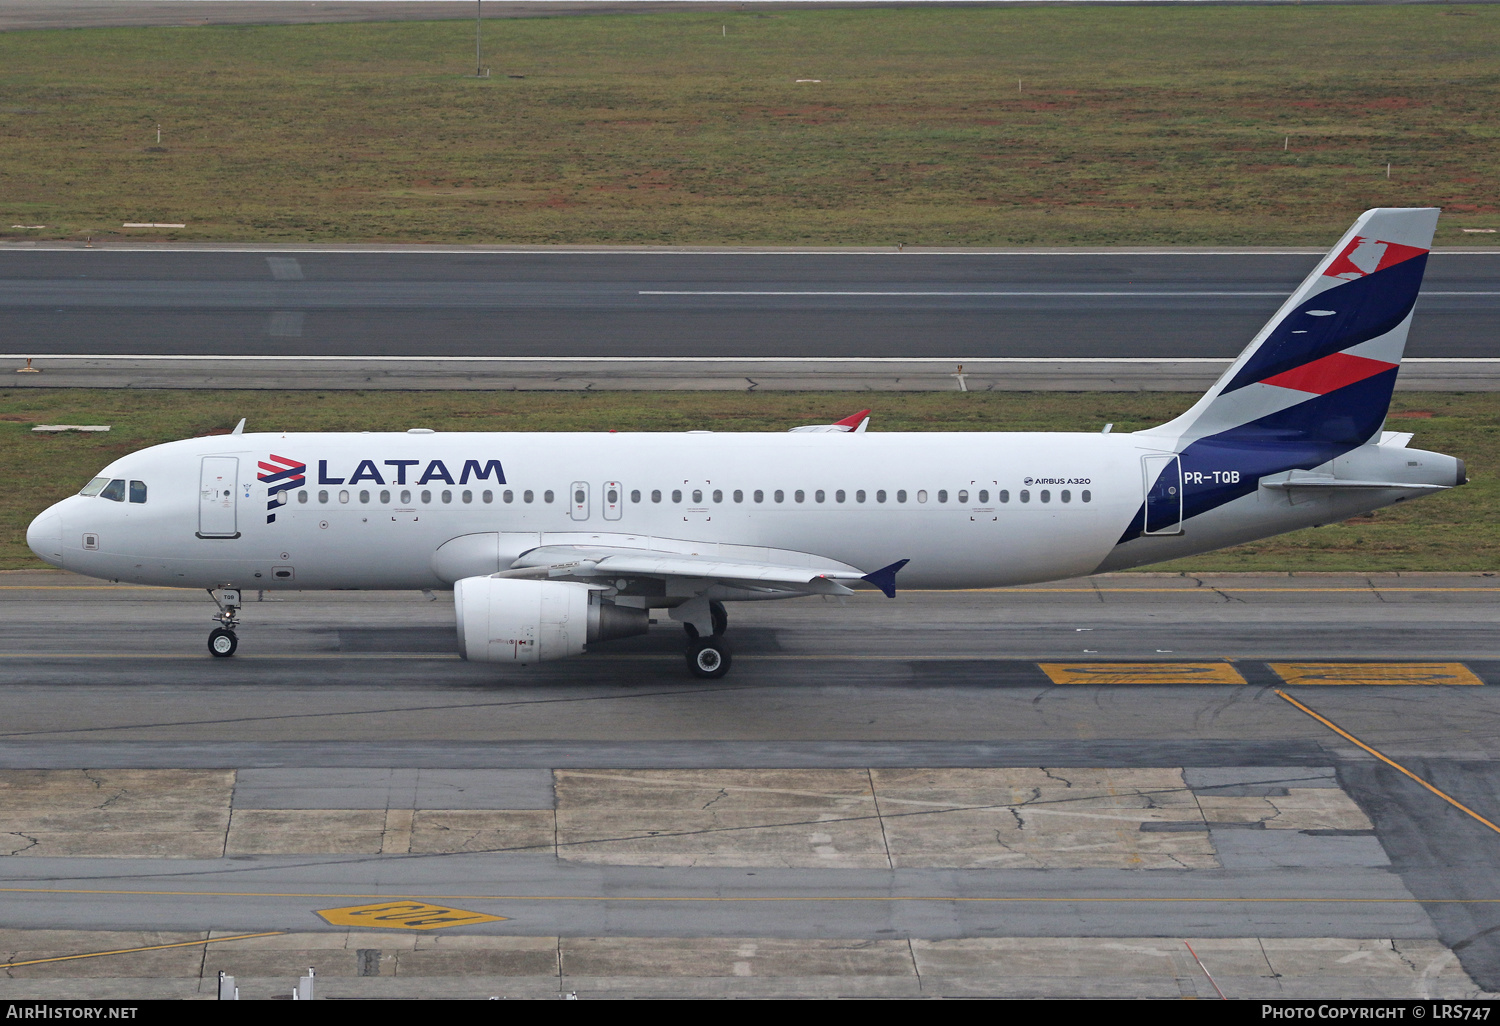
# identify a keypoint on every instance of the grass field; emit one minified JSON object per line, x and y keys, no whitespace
{"x":1456,"y":530}
{"x":931,"y":126}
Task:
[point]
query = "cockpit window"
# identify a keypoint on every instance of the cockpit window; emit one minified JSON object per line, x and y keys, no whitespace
{"x":114,"y":491}
{"x":137,"y":491}
{"x":95,"y":486}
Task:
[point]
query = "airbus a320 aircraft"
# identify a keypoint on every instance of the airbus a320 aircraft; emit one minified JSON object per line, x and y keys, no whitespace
{"x":552,"y":542}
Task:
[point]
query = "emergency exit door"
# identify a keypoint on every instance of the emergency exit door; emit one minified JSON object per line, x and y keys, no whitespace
{"x":217,"y":481}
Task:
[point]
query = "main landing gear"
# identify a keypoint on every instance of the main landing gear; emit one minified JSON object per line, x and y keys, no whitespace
{"x":222,"y":640}
{"x":709,"y":657}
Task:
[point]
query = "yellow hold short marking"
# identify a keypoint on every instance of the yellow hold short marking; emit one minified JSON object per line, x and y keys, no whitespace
{"x":400,"y":914}
{"x":1375,"y":673}
{"x":1141,"y":673}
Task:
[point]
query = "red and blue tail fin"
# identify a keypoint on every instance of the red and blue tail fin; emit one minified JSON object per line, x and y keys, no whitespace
{"x":1319,"y":375}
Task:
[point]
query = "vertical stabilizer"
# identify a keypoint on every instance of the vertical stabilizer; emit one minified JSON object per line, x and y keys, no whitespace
{"x":1319,"y":375}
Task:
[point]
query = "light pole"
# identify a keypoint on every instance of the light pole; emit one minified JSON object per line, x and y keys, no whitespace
{"x":478,"y":52}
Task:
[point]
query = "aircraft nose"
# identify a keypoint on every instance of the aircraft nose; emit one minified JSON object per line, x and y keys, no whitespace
{"x":45,"y":535}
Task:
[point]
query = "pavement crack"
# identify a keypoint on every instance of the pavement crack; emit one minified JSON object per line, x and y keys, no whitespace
{"x":111,"y":799}
{"x":753,"y":384}
{"x":916,"y":969}
{"x":1053,"y":776}
{"x":24,"y":847}
{"x":716,"y":798}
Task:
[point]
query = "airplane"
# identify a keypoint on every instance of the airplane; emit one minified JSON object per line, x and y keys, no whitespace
{"x":553,"y":542}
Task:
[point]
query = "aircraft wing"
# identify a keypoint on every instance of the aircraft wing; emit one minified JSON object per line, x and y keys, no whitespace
{"x":584,"y":561}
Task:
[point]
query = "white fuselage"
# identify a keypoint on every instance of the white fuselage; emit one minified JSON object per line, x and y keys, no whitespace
{"x":967,"y":509}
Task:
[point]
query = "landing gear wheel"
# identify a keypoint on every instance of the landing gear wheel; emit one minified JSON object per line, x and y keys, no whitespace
{"x":708,"y":658}
{"x":222,"y":643}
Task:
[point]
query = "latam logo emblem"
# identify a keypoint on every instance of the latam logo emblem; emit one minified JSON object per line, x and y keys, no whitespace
{"x":280,"y":475}
{"x":1366,"y":256}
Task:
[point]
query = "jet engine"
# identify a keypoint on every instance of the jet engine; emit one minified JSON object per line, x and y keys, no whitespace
{"x":505,"y":620}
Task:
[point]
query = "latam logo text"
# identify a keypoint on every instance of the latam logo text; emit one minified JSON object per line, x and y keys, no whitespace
{"x":399,"y":471}
{"x":281,"y":475}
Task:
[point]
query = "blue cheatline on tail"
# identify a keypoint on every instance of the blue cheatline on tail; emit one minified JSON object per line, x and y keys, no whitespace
{"x":1316,"y":381}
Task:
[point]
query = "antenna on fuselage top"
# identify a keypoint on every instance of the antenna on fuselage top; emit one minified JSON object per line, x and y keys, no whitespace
{"x":239,"y":429}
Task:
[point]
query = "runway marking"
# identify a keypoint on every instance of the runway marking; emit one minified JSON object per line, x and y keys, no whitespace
{"x":1387,"y":760}
{"x":152,"y":947}
{"x":719,"y":898}
{"x":404,"y":914}
{"x":1375,"y":673}
{"x":1027,"y":294}
{"x":1141,"y":673}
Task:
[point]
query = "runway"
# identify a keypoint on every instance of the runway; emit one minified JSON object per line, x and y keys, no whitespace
{"x":837,"y":799}
{"x":674,"y":304}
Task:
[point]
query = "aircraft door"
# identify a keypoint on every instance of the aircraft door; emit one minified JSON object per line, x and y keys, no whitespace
{"x":580,"y":496}
{"x":217,"y":481}
{"x":1163,"y":482}
{"x":614,"y":500}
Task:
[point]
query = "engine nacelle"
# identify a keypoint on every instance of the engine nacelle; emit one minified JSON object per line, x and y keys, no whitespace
{"x":505,"y":620}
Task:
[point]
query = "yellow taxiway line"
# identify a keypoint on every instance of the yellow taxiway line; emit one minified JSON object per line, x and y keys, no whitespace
{"x":1341,"y":732}
{"x":131,"y":951}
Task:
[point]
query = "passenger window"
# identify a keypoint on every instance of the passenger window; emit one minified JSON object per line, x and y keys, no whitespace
{"x":1025,"y":495}
{"x":467,"y":496}
{"x":1087,"y":497}
{"x":656,"y":495}
{"x":635,"y":495}
{"x":508,"y":496}
{"x":528,"y":496}
{"x":780,"y":495}
{"x":405,"y":497}
{"x":859,"y":496}
{"x":447,"y":496}
{"x":1004,"y":495}
{"x":963,"y":496}
{"x":697,"y":496}
{"x":800,"y":495}
{"x":880,"y":495}
{"x":942,"y":495}
{"x":547,"y":495}
{"x":323,"y":496}
{"x":838,"y":496}
{"x":302,"y":496}
{"x":580,"y":497}
{"x":759,"y":496}
{"x":138,"y":491}
{"x":486,"y":496}
{"x":676,"y":494}
{"x":984,"y":496}
{"x":901,"y":495}
{"x":739,"y":496}
{"x":818,"y":495}
{"x":1067,"y":496}
{"x":385,"y":498}
{"x":95,"y":486}
{"x":1046,"y":495}
{"x":922,"y":495}
{"x":364,"y":496}
{"x":114,"y":491}
{"x":426,"y":496}
{"x":612,"y":497}
{"x":718,"y":495}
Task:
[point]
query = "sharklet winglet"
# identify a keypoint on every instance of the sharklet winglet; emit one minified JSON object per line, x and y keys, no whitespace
{"x":885,"y":577}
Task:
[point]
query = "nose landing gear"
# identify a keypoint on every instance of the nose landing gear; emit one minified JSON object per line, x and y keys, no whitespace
{"x":222,"y":640}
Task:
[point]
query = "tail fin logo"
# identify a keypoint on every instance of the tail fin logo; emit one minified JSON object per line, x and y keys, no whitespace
{"x":1366,"y":255}
{"x":280,"y":476}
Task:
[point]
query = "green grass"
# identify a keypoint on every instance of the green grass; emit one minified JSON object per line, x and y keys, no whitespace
{"x":1132,"y":125}
{"x":1457,"y":530}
